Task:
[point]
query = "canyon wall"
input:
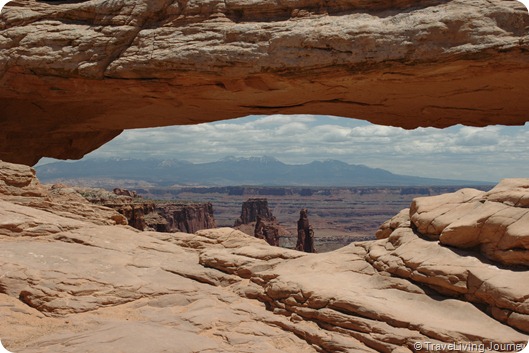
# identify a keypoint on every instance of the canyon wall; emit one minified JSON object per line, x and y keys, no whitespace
{"x":167,"y":217}
{"x":144,"y":214}
{"x":73,"y":75}
{"x":257,"y":219}
{"x":251,"y":209}
{"x":188,"y":218}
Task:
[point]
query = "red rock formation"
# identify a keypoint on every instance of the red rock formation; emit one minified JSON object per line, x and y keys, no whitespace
{"x":255,"y":214}
{"x":188,"y":218}
{"x":305,"y":233}
{"x":267,"y":230}
{"x":135,"y":213}
{"x":125,"y":192}
{"x":168,"y":218}
{"x":107,"y":67}
{"x":253,"y":208}
{"x":148,"y":215}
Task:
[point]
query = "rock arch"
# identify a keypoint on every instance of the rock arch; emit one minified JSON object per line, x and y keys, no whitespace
{"x":74,"y":75}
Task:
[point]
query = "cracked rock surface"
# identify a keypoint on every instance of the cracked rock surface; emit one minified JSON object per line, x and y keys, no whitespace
{"x":83,"y":285}
{"x":73,"y":75}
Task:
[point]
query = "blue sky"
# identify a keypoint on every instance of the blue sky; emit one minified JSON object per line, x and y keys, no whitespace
{"x":458,"y":152}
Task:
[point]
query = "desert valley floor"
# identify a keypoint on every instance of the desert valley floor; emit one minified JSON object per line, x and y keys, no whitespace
{"x":339,"y":216}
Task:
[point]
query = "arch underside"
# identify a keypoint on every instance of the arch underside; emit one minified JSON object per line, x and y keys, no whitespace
{"x":74,"y":75}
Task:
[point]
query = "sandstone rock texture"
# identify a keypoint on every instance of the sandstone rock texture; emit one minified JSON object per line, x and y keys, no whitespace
{"x":485,"y":252}
{"x":305,"y":233}
{"x":187,"y":218}
{"x":74,"y":74}
{"x":20,"y":187}
{"x":494,"y":222}
{"x":85,"y":284}
{"x":151,"y":215}
{"x":266,"y":230}
{"x":253,"y":208}
{"x":257,"y":219}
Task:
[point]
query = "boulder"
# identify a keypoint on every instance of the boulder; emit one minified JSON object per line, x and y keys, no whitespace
{"x":493,"y":222}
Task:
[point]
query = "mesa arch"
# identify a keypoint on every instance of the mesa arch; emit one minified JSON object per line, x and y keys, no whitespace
{"x":74,"y":74}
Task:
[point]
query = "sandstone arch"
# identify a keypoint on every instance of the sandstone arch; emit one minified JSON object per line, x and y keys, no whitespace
{"x":74,"y":75}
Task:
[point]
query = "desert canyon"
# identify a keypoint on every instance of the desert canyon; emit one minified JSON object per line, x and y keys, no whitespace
{"x":451,"y":273}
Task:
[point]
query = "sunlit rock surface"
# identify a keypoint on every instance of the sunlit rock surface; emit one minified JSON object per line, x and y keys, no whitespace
{"x":74,"y":74}
{"x":71,"y":282}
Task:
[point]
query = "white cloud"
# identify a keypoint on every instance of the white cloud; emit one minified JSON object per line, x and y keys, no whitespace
{"x":332,"y":133}
{"x":473,"y":136}
{"x":279,"y":119}
{"x":377,"y":131}
{"x":488,"y":153}
{"x":292,"y":129}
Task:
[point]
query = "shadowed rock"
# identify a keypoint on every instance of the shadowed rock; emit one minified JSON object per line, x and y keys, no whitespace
{"x":187,"y":218}
{"x":74,"y":74}
{"x":305,"y":233}
{"x":253,"y":208}
{"x":149,"y":215}
{"x":255,"y":213}
{"x":265,"y":229}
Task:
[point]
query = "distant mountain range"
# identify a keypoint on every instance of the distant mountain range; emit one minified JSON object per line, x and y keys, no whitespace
{"x":234,"y":171}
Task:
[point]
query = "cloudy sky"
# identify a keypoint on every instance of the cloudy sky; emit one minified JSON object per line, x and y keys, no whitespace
{"x":458,"y":152}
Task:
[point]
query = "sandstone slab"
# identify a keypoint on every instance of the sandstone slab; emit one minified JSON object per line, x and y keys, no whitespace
{"x":495,"y":222}
{"x":73,"y":75}
{"x":82,"y":285}
{"x":19,"y":185}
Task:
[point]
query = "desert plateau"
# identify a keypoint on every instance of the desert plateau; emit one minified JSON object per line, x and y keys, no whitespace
{"x":235,"y":267}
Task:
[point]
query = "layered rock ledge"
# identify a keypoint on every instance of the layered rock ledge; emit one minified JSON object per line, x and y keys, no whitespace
{"x":491,"y":227}
{"x":74,"y":280}
{"x":144,"y":214}
{"x":73,"y":75}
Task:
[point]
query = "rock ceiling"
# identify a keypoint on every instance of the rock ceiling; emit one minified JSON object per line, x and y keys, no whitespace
{"x":75,"y":74}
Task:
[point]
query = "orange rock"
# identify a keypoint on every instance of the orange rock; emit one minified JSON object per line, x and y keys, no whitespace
{"x":74,"y":75}
{"x":70,"y":283}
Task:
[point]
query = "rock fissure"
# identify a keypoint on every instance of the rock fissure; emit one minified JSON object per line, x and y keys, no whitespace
{"x":116,"y":54}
